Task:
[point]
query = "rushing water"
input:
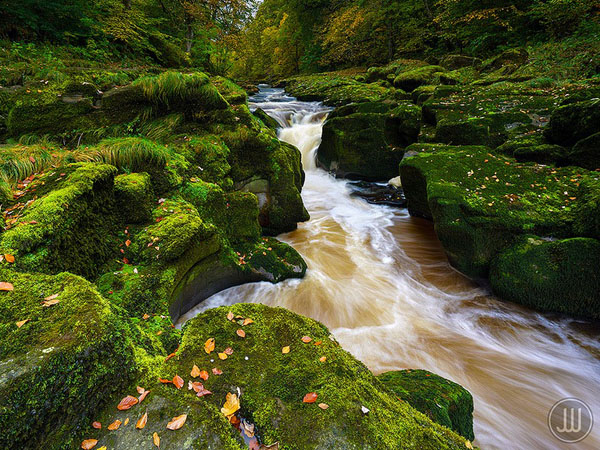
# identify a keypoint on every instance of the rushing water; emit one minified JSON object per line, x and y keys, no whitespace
{"x":379,"y":280}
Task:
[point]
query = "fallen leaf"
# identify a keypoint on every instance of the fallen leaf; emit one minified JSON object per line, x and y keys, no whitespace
{"x":469,"y":445}
{"x":178,"y":381}
{"x":247,"y":322}
{"x":142,"y":422}
{"x":169,"y":356}
{"x":127,"y":243}
{"x":323,"y":358}
{"x":156,"y":439}
{"x":216,"y":371}
{"x":177,"y":422}
{"x":199,"y":389}
{"x":4,"y":286}
{"x":306,"y":339}
{"x":22,"y":322}
{"x":195,"y":371}
{"x":241,"y":333}
{"x":164,"y":381}
{"x":285,"y":350}
{"x":229,"y":316}
{"x":97,"y":425}
{"x":365,"y":410}
{"x":140,"y":390}
{"x":102,"y":448}
{"x":231,"y":406}
{"x":311,"y":397}
{"x":9,"y":258}
{"x":318,"y":342}
{"x":143,"y":396}
{"x":247,"y":428}
{"x":323,"y":405}
{"x":115,"y":425}
{"x":126,"y":421}
{"x":47,"y":303}
{"x":228,"y":351}
{"x":222,"y":355}
{"x":204,"y":375}
{"x":209,"y":345}
{"x":127,"y":403}
{"x":145,"y":316}
{"x":51,"y":297}
{"x":89,"y":444}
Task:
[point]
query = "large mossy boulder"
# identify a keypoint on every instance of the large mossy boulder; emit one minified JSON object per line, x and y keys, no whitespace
{"x":71,"y":227}
{"x":59,"y":364}
{"x":442,"y":400}
{"x":412,"y":79}
{"x":481,"y":202}
{"x":574,"y":122}
{"x":271,"y":370}
{"x":134,"y":197}
{"x":586,"y":152}
{"x":558,"y":276}
{"x":367,"y":140}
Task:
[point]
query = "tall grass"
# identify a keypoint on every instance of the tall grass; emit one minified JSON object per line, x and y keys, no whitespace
{"x":129,"y":154}
{"x":171,"y":87}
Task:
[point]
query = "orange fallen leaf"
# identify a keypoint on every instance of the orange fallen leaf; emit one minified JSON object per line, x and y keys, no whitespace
{"x":97,"y":425}
{"x":323,"y":405}
{"x":222,"y":355}
{"x":22,"y":322}
{"x":228,"y":351}
{"x":9,"y":258}
{"x":248,"y":322}
{"x":127,"y":243}
{"x":231,"y":406}
{"x":142,"y":422}
{"x":89,"y":444}
{"x":51,"y":297}
{"x":164,"y":381}
{"x":177,"y":422}
{"x":169,"y":356}
{"x":126,"y":421}
{"x":216,"y":371}
{"x":156,"y":439}
{"x":285,"y":350}
{"x":143,"y":396}
{"x":127,"y":403}
{"x":306,"y":339}
{"x":318,"y":342}
{"x":140,"y":390}
{"x":230,"y":316}
{"x":146,"y":316}
{"x":195,"y":371}
{"x":204,"y":375}
{"x":323,"y":358}
{"x":52,"y":302}
{"x":178,"y":381}
{"x":209,"y":345}
{"x":4,"y":286}
{"x":241,"y":333}
{"x":311,"y":397}
{"x":115,"y":425}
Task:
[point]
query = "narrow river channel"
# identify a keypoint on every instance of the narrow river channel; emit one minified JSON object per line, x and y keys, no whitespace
{"x":380,"y":281}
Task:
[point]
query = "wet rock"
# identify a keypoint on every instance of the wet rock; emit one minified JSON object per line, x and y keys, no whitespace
{"x":378,"y":193}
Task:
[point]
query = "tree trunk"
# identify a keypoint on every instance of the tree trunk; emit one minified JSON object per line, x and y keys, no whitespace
{"x":189,"y":37}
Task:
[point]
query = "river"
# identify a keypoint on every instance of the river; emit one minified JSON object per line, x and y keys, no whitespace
{"x":380,"y":281}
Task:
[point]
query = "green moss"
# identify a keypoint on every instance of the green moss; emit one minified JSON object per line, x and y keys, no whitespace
{"x":573,"y":122}
{"x":63,"y":365}
{"x":367,"y":140}
{"x":134,"y":197}
{"x":558,"y":276}
{"x":70,"y":228}
{"x":230,"y":91}
{"x":266,"y":119}
{"x":441,"y":400}
{"x":209,"y":154}
{"x":412,"y":79}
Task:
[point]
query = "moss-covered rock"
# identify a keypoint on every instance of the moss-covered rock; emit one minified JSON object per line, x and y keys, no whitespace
{"x":63,"y":364}
{"x":573,"y":122}
{"x":453,"y":62}
{"x":586,"y":152}
{"x":266,"y":119}
{"x":367,"y":140}
{"x":134,"y":197}
{"x":441,"y":400}
{"x":71,"y":228}
{"x":559,"y":276}
{"x":272,"y":385}
{"x":412,"y":79}
{"x":481,"y":202}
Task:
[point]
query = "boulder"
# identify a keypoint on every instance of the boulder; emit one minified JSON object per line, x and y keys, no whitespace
{"x":412,"y":79}
{"x":586,"y":152}
{"x":550,"y":275}
{"x":134,"y":197}
{"x":574,"y":122}
{"x":454,"y":62}
{"x":366,"y":140}
{"x":442,"y":400}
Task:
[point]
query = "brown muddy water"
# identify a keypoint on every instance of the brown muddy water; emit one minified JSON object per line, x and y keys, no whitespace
{"x":380,"y":281}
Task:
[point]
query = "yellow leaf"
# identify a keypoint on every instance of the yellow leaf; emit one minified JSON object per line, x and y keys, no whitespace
{"x":156,"y":439}
{"x":115,"y":425}
{"x":209,"y":345}
{"x":248,"y":322}
{"x":468,"y":445}
{"x":89,"y":444}
{"x":52,"y":302}
{"x":285,"y":350}
{"x":142,"y":422}
{"x":229,"y":315}
{"x":222,"y":355}
{"x":21,"y":323}
{"x":195,"y":371}
{"x":231,"y":406}
{"x":177,"y":422}
{"x":126,"y":421}
{"x":323,"y":358}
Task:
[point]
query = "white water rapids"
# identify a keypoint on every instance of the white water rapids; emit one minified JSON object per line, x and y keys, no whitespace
{"x":379,"y":280}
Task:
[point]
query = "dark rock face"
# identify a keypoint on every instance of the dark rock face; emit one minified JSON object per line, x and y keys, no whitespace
{"x":586,"y":152}
{"x":573,"y":122}
{"x":441,"y":400}
{"x":366,"y":140}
